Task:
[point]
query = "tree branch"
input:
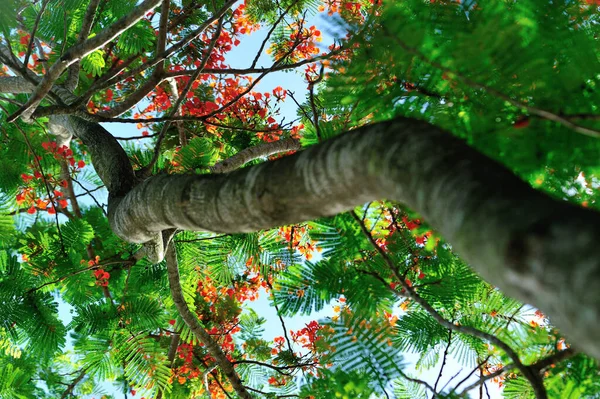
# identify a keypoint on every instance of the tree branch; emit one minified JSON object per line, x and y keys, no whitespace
{"x":533,"y":377}
{"x":86,"y":27}
{"x":192,"y":322}
{"x":79,"y":51}
{"x":72,"y":385}
{"x":536,"y":367}
{"x":517,"y":238}
{"x":252,"y":153}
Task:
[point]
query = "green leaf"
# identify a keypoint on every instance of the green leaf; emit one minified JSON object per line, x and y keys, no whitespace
{"x":77,"y":233}
{"x":94,"y":63}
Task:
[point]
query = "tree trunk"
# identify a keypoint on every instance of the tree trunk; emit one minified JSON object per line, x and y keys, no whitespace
{"x":540,"y":250}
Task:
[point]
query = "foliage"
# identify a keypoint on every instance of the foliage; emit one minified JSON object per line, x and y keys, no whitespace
{"x":81,"y":315}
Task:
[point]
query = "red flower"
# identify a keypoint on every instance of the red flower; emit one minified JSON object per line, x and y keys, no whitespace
{"x":521,"y":123}
{"x":31,"y":210}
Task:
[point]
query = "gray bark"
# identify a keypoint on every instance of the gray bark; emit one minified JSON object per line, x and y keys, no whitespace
{"x":537,"y":249}
{"x":252,"y":153}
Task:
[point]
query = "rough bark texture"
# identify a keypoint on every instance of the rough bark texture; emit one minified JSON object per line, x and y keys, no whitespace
{"x":533,"y":247}
{"x":252,"y":153}
{"x":108,"y":157}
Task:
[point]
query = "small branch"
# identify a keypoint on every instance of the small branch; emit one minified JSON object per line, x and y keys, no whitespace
{"x":72,"y":385}
{"x":46,"y":185}
{"x":192,"y":322}
{"x":86,"y":27}
{"x":203,"y":239}
{"x":135,"y":97}
{"x":540,"y":365}
{"x":252,"y":153}
{"x":33,"y":32}
{"x":77,"y":52}
{"x":418,"y":381}
{"x":264,"y":42}
{"x":76,"y":272}
{"x":443,"y":362}
{"x":301,"y":108}
{"x":179,"y":124}
{"x":249,"y":71}
{"x":518,"y":104}
{"x":208,"y":370}
{"x":313,"y":105}
{"x":533,"y":377}
{"x":89,"y":192}
{"x":161,"y":40}
{"x":478,"y":367}
{"x":148,"y":168}
{"x":221,"y":386}
{"x":270,"y":395}
{"x":285,"y":334}
{"x":171,"y":355}
{"x":279,"y":369}
{"x":484,"y":378}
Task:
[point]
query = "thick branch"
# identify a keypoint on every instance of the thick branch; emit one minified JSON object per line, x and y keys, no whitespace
{"x":15,"y":85}
{"x":108,"y":157}
{"x":516,"y":237}
{"x":192,"y":322}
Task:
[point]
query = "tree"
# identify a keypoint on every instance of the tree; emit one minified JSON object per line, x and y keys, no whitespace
{"x":422,"y":107}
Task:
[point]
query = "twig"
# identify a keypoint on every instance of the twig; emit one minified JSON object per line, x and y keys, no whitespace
{"x":313,"y":105}
{"x":192,"y":322}
{"x":203,"y":239}
{"x":445,"y":357}
{"x":470,"y":374}
{"x":76,"y":53}
{"x":178,"y":124}
{"x":148,"y":168}
{"x":72,"y":385}
{"x":533,"y":377}
{"x":279,"y":369}
{"x":475,"y":85}
{"x":86,"y":27}
{"x":264,"y":42}
{"x":33,"y":32}
{"x":88,"y":192}
{"x":46,"y":185}
{"x":301,"y":108}
{"x":285,"y":334}
{"x":76,"y":272}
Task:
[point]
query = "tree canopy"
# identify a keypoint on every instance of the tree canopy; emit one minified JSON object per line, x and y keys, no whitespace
{"x":436,"y":191}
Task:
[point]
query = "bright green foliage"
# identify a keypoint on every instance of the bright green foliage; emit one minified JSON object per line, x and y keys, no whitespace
{"x":79,"y":312}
